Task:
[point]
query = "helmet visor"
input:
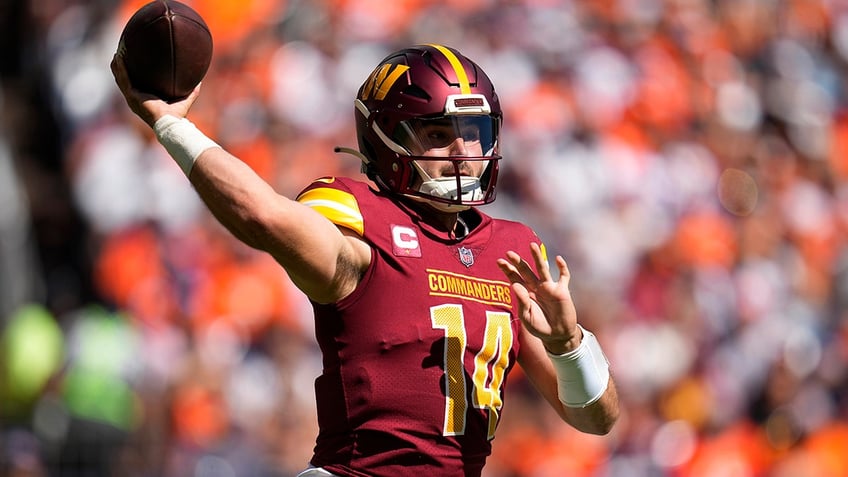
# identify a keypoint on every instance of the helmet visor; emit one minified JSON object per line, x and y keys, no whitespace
{"x":478,"y":132}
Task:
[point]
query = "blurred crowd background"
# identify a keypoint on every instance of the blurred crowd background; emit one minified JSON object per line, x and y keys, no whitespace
{"x":689,"y":158}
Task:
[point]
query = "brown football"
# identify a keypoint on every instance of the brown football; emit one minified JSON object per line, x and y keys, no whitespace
{"x":167,"y":49}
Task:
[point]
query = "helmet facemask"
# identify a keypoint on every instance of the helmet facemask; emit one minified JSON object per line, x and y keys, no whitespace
{"x":452,"y":193}
{"x":461,"y":139}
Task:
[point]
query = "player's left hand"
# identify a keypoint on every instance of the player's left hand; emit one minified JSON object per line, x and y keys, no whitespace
{"x":545,"y":306}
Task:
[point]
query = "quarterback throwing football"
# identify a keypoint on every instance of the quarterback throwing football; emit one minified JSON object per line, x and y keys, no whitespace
{"x":423,"y":304}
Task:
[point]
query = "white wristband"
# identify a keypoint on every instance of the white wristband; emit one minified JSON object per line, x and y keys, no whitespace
{"x":183,"y":141}
{"x":583,"y":373}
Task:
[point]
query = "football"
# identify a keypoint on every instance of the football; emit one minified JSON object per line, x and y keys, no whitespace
{"x":166,"y":48}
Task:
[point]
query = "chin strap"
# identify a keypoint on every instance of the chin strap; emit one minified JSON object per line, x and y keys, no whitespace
{"x":445,"y":187}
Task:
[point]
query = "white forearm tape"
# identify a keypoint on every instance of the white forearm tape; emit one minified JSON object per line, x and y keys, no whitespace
{"x":583,"y":373}
{"x":183,"y":141}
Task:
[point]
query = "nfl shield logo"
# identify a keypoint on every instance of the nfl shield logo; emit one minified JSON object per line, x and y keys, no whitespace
{"x":466,"y":256}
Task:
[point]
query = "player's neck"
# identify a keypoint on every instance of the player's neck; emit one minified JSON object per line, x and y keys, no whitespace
{"x":457,"y":224}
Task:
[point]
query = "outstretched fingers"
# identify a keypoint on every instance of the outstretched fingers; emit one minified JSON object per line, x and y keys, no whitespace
{"x":517,"y":270}
{"x":541,"y":262}
{"x":564,"y":272}
{"x":510,"y":268}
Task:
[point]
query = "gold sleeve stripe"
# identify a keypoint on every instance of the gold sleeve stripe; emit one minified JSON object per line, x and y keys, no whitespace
{"x":338,"y":206}
{"x":462,"y":76}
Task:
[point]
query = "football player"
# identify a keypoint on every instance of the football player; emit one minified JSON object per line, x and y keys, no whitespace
{"x":423,"y":303}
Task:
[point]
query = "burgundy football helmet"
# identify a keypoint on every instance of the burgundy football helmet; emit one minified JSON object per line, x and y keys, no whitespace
{"x":421,"y":98}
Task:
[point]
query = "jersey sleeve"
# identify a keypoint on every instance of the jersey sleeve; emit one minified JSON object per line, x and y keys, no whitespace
{"x":335,"y":201}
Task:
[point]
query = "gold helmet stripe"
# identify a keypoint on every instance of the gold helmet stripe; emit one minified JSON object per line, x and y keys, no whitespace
{"x":464,"y":85}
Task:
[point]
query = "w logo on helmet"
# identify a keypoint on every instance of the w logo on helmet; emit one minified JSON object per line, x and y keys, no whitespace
{"x":381,"y":81}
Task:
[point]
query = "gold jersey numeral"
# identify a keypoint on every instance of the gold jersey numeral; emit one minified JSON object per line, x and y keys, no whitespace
{"x":489,"y":366}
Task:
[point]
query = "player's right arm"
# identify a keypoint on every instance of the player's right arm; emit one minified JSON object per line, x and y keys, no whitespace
{"x":323,"y":262}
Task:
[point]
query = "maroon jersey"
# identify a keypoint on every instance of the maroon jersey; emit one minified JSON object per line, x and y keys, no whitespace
{"x":415,"y":359}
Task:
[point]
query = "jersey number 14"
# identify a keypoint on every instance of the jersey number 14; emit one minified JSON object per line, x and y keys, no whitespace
{"x":489,"y":366}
